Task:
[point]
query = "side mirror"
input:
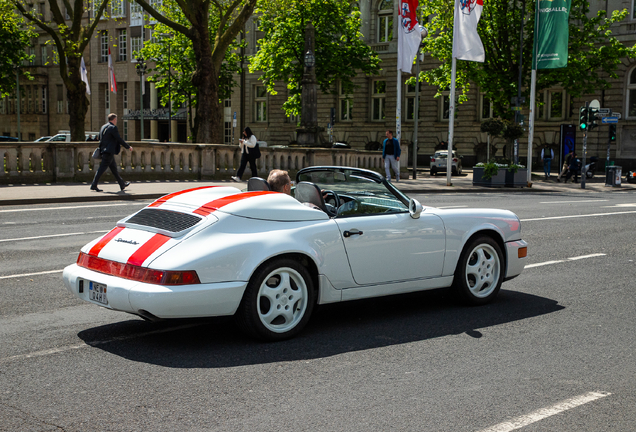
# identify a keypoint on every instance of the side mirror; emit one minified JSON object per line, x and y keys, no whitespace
{"x":415,"y":208}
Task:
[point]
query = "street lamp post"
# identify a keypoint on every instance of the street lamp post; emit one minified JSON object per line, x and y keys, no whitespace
{"x":141,"y":69}
{"x":17,"y":100}
{"x":309,"y":134}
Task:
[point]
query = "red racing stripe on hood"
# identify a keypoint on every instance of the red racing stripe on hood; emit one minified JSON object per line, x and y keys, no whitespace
{"x":147,"y":249}
{"x":172,"y":195}
{"x":210,"y":207}
{"x":95,"y":250}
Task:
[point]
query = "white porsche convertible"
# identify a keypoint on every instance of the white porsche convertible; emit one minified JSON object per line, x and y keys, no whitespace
{"x":268,"y":259}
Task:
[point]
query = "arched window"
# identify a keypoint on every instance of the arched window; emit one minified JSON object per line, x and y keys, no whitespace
{"x":385,"y":21}
{"x":631,"y":94}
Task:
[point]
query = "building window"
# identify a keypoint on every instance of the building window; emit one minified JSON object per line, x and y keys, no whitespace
{"x":445,"y":106}
{"x":260,"y":104}
{"x":103,"y":39}
{"x":227,"y":121}
{"x":156,"y":5}
{"x":107,"y":99}
{"x":540,"y":106}
{"x":44,"y":100}
{"x":29,"y":100}
{"x":123,"y":46}
{"x":136,"y":16}
{"x":486,"y":107}
{"x":135,"y":45}
{"x":556,"y":104}
{"x":2,"y":109}
{"x":378,"y":100}
{"x":346,"y":105}
{"x":631,"y":94}
{"x":385,"y":21}
{"x":32,"y":54}
{"x":44,"y":55}
{"x":125,"y":130}
{"x":410,"y":101}
{"x":117,"y":9}
{"x":124,"y":92}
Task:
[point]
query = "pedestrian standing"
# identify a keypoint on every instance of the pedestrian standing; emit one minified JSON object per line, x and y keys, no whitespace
{"x":547,"y":154}
{"x":573,"y":168}
{"x":110,"y":143}
{"x":391,"y":155}
{"x":249,"y":153}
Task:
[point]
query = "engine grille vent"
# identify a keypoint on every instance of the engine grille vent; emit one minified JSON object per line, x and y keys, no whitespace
{"x":164,"y":219}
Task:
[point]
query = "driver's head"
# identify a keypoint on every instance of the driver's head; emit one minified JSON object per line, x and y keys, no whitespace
{"x":279,"y":181}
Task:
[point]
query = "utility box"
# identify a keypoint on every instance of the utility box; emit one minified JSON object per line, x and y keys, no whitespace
{"x":613,"y":176}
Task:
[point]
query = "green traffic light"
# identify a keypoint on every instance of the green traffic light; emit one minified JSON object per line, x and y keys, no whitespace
{"x":583,"y":125}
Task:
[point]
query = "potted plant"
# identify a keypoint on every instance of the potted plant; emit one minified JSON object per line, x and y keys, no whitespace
{"x":516,"y":175}
{"x":489,"y":174}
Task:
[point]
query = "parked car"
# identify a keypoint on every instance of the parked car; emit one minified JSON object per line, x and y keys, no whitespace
{"x":44,"y":138}
{"x":8,"y":138}
{"x":65,"y":136}
{"x":269,"y":258}
{"x":439,"y":159}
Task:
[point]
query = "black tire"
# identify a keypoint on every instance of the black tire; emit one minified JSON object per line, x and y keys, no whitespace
{"x":480,"y":271}
{"x":433,"y":171}
{"x":277,"y":302}
{"x":454,"y":171}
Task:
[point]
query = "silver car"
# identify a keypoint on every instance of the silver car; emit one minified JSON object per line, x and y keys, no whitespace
{"x":439,"y":159}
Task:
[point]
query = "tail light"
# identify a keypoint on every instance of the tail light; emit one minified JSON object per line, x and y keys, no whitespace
{"x":137,"y":273}
{"x":454,"y":159}
{"x":432,"y":159}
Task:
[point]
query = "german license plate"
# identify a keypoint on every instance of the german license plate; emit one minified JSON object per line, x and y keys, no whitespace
{"x":97,"y":293}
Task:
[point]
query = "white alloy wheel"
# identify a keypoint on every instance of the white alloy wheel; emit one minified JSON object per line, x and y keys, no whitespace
{"x":482,"y":270}
{"x":282,"y":300}
{"x":479,"y":271}
{"x":278,"y":300}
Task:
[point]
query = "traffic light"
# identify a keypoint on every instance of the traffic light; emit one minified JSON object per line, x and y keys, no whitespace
{"x":612,"y":133}
{"x":592,"y":119}
{"x":583,"y":118}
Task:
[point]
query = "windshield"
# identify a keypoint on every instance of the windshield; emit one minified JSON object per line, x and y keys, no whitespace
{"x":359,"y":192}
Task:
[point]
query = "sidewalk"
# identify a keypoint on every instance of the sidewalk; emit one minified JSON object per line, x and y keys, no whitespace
{"x":146,"y":190}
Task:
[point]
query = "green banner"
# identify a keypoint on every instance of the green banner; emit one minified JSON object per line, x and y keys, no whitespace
{"x":551,"y":34}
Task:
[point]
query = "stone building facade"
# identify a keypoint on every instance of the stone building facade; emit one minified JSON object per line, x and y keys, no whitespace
{"x":361,"y":117}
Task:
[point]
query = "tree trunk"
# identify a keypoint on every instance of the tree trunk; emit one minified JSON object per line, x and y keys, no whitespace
{"x":77,"y":101}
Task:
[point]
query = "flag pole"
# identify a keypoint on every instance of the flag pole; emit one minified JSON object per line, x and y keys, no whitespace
{"x":451,"y":124}
{"x":533,"y":91}
{"x":398,"y":109}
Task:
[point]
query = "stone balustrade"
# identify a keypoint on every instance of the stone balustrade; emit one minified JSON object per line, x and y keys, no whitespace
{"x":44,"y":162}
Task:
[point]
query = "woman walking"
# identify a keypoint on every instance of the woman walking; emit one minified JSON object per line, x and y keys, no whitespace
{"x":249,"y":153}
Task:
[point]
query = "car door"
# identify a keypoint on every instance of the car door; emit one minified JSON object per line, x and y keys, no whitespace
{"x":386,"y":248}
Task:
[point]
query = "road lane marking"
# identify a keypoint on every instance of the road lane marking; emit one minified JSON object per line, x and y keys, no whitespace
{"x":621,"y":205}
{"x":577,"y":216}
{"x":571,"y":202}
{"x":53,"y":235}
{"x":57,"y":350}
{"x":565,"y":260}
{"x":68,"y":207}
{"x":31,"y":274}
{"x":540,"y":414}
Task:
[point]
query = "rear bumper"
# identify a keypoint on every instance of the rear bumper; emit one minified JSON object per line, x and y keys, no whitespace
{"x":182,"y":301}
{"x":514,"y":264}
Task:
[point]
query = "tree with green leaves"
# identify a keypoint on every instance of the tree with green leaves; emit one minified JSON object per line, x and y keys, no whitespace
{"x":593,"y":52}
{"x":14,"y":40}
{"x":173,"y":73}
{"x":341,"y":53}
{"x":70,"y":39}
{"x":209,"y":46}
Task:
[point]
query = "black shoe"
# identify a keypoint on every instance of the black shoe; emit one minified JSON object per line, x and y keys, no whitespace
{"x":96,"y":189}
{"x":125,"y":185}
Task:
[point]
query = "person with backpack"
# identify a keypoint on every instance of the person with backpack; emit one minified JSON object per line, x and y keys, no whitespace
{"x":391,"y":155}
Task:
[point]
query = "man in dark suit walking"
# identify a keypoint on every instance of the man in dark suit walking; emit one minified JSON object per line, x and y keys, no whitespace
{"x":110,"y":143}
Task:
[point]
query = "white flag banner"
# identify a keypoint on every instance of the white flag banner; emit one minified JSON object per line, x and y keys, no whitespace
{"x":410,"y":34}
{"x":111,"y":74}
{"x":84,"y":75}
{"x":466,"y":42}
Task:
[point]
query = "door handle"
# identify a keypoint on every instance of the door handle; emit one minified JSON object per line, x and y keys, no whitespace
{"x":352,"y":233}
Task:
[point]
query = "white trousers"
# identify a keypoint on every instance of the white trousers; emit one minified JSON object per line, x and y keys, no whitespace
{"x":389,"y":161}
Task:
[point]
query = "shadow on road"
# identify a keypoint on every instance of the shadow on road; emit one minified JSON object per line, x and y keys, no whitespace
{"x":334,"y":329}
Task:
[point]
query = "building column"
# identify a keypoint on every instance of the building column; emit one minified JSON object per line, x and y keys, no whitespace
{"x":154,"y":124}
{"x":173,"y":130}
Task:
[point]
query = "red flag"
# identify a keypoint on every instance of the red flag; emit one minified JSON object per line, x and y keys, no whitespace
{"x":111,"y":74}
{"x":410,"y":34}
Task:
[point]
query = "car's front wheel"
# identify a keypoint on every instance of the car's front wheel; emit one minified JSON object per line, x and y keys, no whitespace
{"x":278,"y":301}
{"x":479,"y":272}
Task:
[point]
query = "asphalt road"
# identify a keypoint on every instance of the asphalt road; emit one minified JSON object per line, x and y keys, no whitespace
{"x":554,"y":352}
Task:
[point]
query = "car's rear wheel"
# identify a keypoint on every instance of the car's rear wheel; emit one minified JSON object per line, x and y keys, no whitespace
{"x":278,"y":301}
{"x":433,"y":171}
{"x":479,"y":272}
